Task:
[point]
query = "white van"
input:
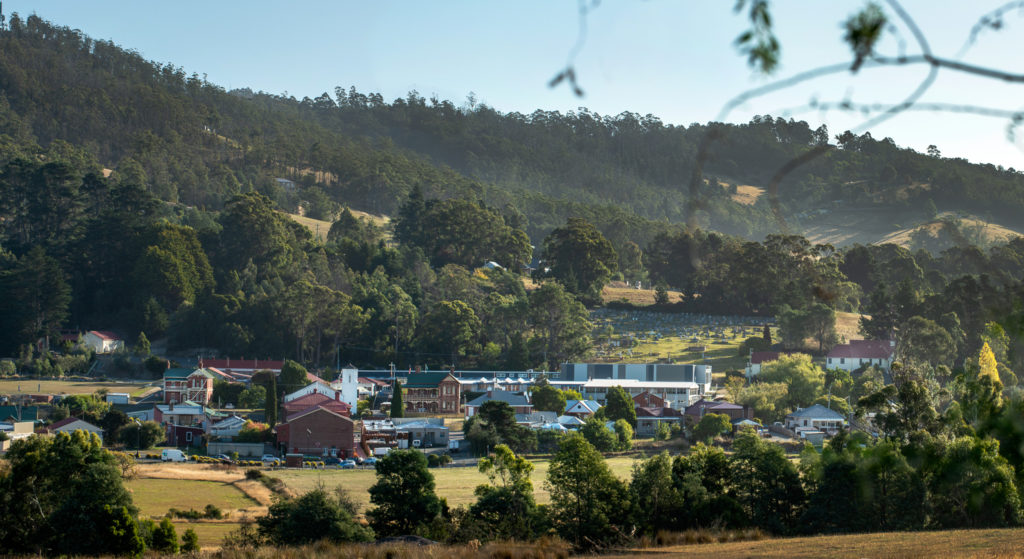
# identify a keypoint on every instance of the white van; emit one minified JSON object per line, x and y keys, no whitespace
{"x":173,"y":455}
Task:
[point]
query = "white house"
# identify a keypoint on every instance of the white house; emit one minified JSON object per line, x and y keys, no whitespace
{"x":815,"y":418}
{"x":861,"y":353}
{"x":227,"y":428}
{"x":102,"y":341}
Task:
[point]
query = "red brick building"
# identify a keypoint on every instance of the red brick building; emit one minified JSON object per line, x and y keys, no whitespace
{"x":433,"y":392}
{"x":648,"y":400}
{"x":318,"y":431}
{"x":317,"y":399}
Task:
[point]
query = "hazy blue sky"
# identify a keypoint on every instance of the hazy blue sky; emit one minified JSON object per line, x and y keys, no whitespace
{"x":673,"y":59}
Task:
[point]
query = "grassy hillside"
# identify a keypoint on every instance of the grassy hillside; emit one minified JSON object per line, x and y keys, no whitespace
{"x":319,"y":228}
{"x":866,"y":226}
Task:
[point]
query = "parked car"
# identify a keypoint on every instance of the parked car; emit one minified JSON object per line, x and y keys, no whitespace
{"x":173,"y":455}
{"x":371,"y":461}
{"x":224,"y":459}
{"x":268,"y":458}
{"x":347,"y":464}
{"x":331,"y":460}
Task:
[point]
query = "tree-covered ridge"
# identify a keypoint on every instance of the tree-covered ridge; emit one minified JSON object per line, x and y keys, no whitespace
{"x":189,"y":140}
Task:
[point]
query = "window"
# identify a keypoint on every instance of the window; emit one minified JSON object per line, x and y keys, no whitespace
{"x":842,"y":360}
{"x":188,"y":436}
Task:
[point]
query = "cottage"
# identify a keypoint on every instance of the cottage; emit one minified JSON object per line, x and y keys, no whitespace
{"x":537,"y":419}
{"x":704,"y":407}
{"x":581,"y":409}
{"x":758,"y":358}
{"x":72,"y":424}
{"x":816,"y":418}
{"x":103,"y":341}
{"x":519,"y":402}
{"x":648,"y":419}
{"x":861,"y":353}
{"x":433,"y":392}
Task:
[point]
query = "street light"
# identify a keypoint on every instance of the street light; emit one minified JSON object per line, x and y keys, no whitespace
{"x":138,"y":435}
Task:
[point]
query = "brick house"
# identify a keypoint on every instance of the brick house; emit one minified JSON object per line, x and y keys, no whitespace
{"x":433,"y":392}
{"x":318,"y":431}
{"x":647,"y":400}
{"x":188,"y":385}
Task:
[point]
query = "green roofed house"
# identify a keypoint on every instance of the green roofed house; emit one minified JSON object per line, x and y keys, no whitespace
{"x":188,"y":385}
{"x":433,"y":392}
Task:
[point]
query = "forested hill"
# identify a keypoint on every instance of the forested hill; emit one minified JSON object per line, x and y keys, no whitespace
{"x":190,"y":141}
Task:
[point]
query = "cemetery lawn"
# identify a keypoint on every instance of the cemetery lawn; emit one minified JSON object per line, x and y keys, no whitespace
{"x":668,"y":337}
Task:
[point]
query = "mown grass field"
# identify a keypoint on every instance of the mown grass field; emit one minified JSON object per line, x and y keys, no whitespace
{"x":10,"y":386}
{"x":155,"y":497}
{"x":210,"y":534}
{"x":456,"y":484}
{"x":992,"y":544}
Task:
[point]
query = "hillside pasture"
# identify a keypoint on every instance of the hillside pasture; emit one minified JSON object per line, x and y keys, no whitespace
{"x":319,"y":228}
{"x":155,"y":497}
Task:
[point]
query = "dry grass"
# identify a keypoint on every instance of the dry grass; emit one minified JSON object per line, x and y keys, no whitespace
{"x":455,"y":484}
{"x":319,"y":228}
{"x":992,"y":232}
{"x":848,"y":325}
{"x":618,"y":291}
{"x":544,"y":548}
{"x":69,"y":387}
{"x":951,"y":544}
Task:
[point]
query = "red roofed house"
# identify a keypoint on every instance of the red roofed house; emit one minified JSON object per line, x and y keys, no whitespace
{"x":317,"y":399}
{"x":102,"y":341}
{"x":318,"y":431}
{"x":861,"y":353}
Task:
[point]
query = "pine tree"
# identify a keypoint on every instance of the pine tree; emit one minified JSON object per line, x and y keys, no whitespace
{"x":189,"y":541}
{"x":397,"y":406}
{"x":271,"y":405}
{"x":767,"y":335}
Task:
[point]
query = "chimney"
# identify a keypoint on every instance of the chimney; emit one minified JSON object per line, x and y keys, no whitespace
{"x":337,"y":396}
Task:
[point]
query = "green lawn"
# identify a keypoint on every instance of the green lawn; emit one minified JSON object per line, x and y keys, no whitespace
{"x":211,"y":534}
{"x":454,"y":484}
{"x":155,"y":497}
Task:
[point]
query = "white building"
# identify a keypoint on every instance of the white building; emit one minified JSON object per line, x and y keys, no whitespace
{"x":101,"y":341}
{"x":861,"y":353}
{"x":348,"y":385}
{"x":318,"y":387}
{"x":677,"y":394}
{"x":640,"y":372}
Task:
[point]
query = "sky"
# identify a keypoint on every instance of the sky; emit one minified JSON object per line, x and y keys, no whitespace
{"x":672,"y":59}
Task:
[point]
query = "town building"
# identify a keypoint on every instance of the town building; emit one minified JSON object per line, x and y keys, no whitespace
{"x":432,"y":392}
{"x":102,"y":341}
{"x":188,"y":385}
